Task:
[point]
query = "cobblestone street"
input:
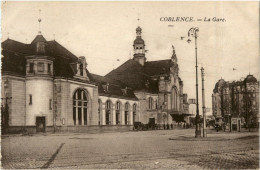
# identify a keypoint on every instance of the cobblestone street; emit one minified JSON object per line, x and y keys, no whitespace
{"x":162,"y":149}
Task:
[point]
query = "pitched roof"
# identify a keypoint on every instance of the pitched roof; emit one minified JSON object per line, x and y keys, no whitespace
{"x":102,"y":79}
{"x":14,"y":53}
{"x":130,"y":73}
{"x":114,"y":88}
{"x":38,"y":38}
{"x":156,"y":68}
{"x":140,"y":77}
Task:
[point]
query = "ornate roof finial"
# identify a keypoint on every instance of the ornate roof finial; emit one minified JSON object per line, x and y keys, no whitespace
{"x":39,"y":20}
{"x":7,"y":35}
{"x":53,"y":36}
{"x":174,"y":57}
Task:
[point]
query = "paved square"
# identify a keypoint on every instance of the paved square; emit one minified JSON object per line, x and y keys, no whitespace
{"x":162,"y":149}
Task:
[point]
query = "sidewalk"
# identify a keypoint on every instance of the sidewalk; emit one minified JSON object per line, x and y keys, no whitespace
{"x":212,"y":135}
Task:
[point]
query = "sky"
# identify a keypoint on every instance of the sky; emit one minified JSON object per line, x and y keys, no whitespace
{"x":104,"y":32}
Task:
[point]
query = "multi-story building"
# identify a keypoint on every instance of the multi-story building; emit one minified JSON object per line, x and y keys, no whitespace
{"x":156,"y":84}
{"x":45,"y":87}
{"x":237,"y":99}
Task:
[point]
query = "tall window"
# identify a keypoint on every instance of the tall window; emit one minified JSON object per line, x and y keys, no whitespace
{"x":50,"y":104}
{"x":126,"y":113}
{"x":174,"y":97}
{"x":118,"y":106}
{"x":80,"y":107}
{"x":30,"y":99}
{"x":99,"y":111}
{"x":108,"y":112}
{"x":134,"y":112}
{"x":49,"y":68}
{"x":150,"y":103}
{"x":31,"y":67}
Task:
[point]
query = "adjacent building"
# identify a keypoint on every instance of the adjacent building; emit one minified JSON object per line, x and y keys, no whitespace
{"x":237,"y":100}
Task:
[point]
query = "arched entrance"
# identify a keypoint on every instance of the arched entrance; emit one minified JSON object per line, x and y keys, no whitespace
{"x":134,"y":112}
{"x":80,"y":107}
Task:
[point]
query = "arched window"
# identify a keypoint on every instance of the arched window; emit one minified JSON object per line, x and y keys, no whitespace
{"x":150,"y":106}
{"x":126,"y":113}
{"x":118,"y":107}
{"x":174,"y":98}
{"x":108,"y":112}
{"x":134,"y":111}
{"x":80,"y":107}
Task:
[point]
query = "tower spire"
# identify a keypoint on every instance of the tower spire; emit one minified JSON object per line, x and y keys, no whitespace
{"x":39,"y":20}
{"x":138,"y":19}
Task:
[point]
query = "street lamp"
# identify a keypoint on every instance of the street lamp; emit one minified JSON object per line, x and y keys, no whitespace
{"x":193,"y":32}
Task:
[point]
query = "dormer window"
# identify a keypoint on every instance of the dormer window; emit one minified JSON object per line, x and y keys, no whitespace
{"x":147,"y":84}
{"x":40,"y":48}
{"x":124,"y":91}
{"x":81,"y":69}
{"x":105,"y":87}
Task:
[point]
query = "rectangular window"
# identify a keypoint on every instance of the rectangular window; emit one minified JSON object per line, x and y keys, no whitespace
{"x":49,"y":68}
{"x":31,"y":68}
{"x":30,"y":99}
{"x":50,"y":104}
{"x":40,"y":67}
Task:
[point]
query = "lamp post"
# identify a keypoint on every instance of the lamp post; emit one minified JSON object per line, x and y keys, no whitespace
{"x":193,"y":32}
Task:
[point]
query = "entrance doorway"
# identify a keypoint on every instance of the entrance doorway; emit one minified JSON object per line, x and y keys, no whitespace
{"x":152,"y":121}
{"x":40,"y":124}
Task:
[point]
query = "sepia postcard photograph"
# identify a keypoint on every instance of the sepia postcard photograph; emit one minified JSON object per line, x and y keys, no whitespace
{"x":130,"y":85}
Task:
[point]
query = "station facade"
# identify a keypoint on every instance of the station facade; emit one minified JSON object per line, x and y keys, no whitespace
{"x":47,"y":88}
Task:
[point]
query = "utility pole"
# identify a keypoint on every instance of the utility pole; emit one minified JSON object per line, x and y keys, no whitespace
{"x":193,"y":32}
{"x":203,"y":103}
